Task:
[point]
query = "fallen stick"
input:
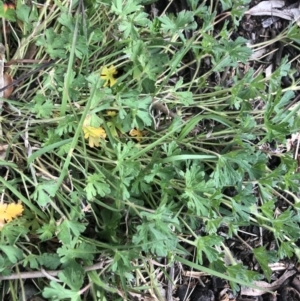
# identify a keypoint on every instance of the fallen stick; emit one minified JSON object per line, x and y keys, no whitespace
{"x":265,"y":285}
{"x":46,"y":274}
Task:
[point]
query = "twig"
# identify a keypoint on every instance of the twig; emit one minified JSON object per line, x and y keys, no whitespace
{"x":170,"y":283}
{"x":22,"y":61}
{"x":265,"y":285}
{"x":43,"y":273}
{"x":16,"y":81}
{"x":2,"y":58}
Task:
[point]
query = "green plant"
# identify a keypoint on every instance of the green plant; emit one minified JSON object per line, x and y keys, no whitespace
{"x":127,"y":198}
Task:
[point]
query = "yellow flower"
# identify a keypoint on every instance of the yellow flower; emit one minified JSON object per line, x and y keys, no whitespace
{"x":137,"y":134}
{"x":94,"y":135}
{"x":9,"y":212}
{"x":3,"y":211}
{"x":111,"y":113}
{"x":7,"y":6}
{"x":108,"y":75}
{"x":13,"y":210}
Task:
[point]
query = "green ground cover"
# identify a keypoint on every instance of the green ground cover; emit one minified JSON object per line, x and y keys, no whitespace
{"x":132,"y":147}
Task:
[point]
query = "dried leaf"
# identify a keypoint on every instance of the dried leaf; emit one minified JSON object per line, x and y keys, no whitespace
{"x":273,"y":8}
{"x":137,"y":134}
{"x":270,"y":8}
{"x":3,"y":149}
{"x":7,"y":80}
{"x":292,"y":141}
{"x":258,"y":54}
